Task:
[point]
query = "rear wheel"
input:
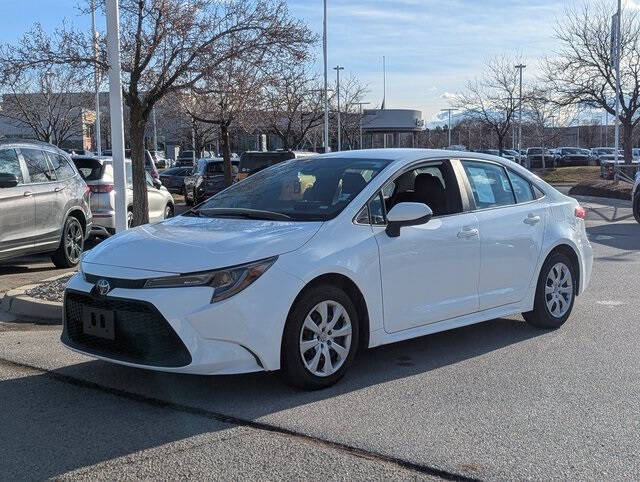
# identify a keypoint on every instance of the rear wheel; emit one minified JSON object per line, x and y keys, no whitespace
{"x":320,"y":338}
{"x":71,"y":244}
{"x":555,"y":293}
{"x":636,"y":207}
{"x":187,"y":201}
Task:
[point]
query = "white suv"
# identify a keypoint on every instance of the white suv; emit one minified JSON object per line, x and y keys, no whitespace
{"x":98,"y":174}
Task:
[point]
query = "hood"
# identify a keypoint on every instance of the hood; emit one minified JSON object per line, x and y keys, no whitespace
{"x":188,"y":244}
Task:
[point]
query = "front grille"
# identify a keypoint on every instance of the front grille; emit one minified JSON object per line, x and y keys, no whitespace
{"x":142,"y":335}
{"x":115,"y":282}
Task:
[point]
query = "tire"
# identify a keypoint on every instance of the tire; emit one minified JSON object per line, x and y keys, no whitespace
{"x":296,"y":370}
{"x":129,"y":218}
{"x":168,"y":211}
{"x":71,"y":245}
{"x":545,"y":313}
{"x":186,"y":199}
{"x":636,"y":207}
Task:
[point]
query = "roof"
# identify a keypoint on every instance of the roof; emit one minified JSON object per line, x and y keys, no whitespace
{"x":29,"y":142}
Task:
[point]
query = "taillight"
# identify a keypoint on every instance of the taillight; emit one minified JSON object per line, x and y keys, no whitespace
{"x":580,"y":212}
{"x":101,"y":188}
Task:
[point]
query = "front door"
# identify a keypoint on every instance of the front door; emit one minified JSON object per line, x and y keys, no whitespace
{"x":156,"y":201}
{"x":17,"y":210}
{"x":430,"y":272}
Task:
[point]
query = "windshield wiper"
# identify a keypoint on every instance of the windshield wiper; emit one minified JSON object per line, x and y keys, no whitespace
{"x":241,"y":213}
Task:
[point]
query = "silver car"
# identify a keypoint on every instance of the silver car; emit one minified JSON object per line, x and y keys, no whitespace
{"x":98,"y":174}
{"x":44,"y":203}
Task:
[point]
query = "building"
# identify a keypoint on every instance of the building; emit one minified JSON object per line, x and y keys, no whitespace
{"x":391,"y":127}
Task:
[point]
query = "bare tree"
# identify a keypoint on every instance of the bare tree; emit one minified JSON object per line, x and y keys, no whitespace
{"x":581,"y":71}
{"x":492,"y":100}
{"x":46,"y":100}
{"x":227,"y":97}
{"x":352,"y":92}
{"x":168,"y":46}
{"x":293,"y":105}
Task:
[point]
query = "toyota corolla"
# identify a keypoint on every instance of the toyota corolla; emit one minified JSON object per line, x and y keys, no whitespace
{"x":300,"y":266}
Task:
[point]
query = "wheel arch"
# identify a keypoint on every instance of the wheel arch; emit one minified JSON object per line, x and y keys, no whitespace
{"x":353,"y":292}
{"x":571,"y":252}
{"x":79,"y":215}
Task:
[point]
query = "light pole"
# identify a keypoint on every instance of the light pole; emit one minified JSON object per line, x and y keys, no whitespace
{"x":520,"y":67}
{"x":337,"y":68}
{"x":115,"y":108}
{"x":617,"y":61}
{"x":96,"y":78}
{"x":326,"y":86}
{"x":360,"y":104}
{"x":449,"y":124}
{"x":155,"y":131}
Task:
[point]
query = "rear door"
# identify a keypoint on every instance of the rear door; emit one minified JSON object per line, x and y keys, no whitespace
{"x":156,"y":201}
{"x":512,"y":225}
{"x":64,"y":186}
{"x":43,"y":188}
{"x":17,"y":209}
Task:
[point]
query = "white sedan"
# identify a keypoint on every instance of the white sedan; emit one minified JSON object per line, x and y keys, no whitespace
{"x":301,"y":265}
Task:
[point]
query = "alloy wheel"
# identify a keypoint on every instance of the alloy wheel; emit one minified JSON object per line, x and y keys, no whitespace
{"x":73,"y":241}
{"x":558,"y":290}
{"x":325,"y":338}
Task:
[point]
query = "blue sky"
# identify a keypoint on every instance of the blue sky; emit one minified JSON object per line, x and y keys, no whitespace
{"x":432,"y":46}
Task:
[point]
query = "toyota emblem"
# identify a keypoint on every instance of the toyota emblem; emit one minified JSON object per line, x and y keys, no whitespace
{"x":103,"y":287}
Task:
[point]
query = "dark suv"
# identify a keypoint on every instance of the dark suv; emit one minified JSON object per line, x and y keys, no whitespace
{"x":207,"y":179}
{"x":44,"y":203}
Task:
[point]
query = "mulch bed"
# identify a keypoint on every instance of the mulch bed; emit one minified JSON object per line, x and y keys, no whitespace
{"x":602,"y":188}
{"x":50,"y":290}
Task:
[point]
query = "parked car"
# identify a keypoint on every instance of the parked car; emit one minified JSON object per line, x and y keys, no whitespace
{"x":288,"y":269}
{"x":44,"y":203}
{"x":535,"y":157}
{"x":186,"y":159}
{"x":149,"y":163}
{"x":173,"y":179}
{"x":573,"y":156}
{"x":206,"y":179}
{"x":506,"y":153}
{"x":255,"y":161}
{"x":79,"y":152}
{"x":636,"y":154}
{"x":601,"y":154}
{"x":98,"y":174}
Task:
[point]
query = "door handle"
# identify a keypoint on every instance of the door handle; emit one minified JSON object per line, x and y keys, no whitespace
{"x":27,"y":194}
{"x":468,"y":233}
{"x":58,"y":189}
{"x":531,"y":219}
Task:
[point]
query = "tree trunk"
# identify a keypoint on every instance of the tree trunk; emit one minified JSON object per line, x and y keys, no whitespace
{"x":226,"y":154}
{"x":137,"y":129}
{"x":627,"y":141}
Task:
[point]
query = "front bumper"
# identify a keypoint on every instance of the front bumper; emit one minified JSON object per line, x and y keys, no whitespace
{"x":239,"y":335}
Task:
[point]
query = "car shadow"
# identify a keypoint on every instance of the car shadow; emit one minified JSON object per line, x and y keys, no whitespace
{"x":50,"y":428}
{"x":624,"y":236}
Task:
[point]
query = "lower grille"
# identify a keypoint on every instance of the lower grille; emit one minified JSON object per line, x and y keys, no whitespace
{"x":142,"y":335}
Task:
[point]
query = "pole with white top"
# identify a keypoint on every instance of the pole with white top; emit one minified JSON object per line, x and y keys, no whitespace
{"x":326,"y":85}
{"x":96,"y":78}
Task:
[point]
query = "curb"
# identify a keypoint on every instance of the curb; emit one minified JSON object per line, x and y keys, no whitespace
{"x":22,"y":306}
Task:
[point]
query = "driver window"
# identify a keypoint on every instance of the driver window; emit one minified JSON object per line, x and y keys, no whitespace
{"x":433,"y":184}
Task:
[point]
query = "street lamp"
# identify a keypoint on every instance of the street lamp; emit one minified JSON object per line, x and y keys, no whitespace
{"x":520,"y":67}
{"x":115,"y":107}
{"x":449,"y":124}
{"x":96,"y":77}
{"x":337,"y":68}
{"x":326,"y":86}
{"x":360,"y":104}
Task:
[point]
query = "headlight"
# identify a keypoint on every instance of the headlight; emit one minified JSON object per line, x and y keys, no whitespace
{"x":225,"y":282}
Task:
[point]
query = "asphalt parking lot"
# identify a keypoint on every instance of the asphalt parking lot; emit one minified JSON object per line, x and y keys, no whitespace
{"x":499,"y":400}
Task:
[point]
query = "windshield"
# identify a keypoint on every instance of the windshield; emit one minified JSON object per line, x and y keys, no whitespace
{"x":313,"y":189}
{"x":572,"y":151}
{"x":251,"y":162}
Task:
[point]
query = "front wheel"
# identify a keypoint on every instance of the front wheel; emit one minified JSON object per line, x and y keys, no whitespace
{"x":168,"y":211}
{"x":636,"y":207}
{"x":555,"y":293}
{"x":320,"y":338}
{"x":71,"y":245}
{"x":187,"y":201}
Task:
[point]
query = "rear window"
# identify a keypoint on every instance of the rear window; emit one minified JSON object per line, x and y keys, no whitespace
{"x":176,"y":171}
{"x":90,"y":169}
{"x":251,"y":162}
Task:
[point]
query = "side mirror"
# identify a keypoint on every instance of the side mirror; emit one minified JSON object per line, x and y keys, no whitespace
{"x":8,"y":180}
{"x":156,"y":183}
{"x":407,"y":214}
